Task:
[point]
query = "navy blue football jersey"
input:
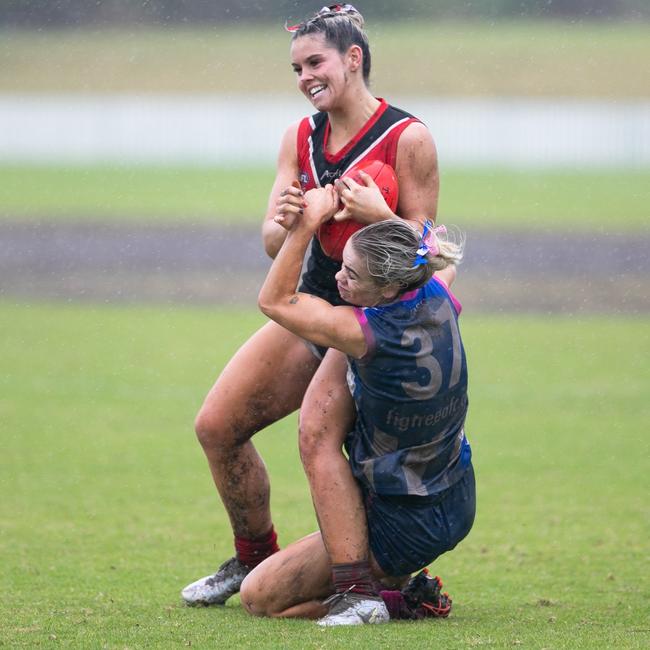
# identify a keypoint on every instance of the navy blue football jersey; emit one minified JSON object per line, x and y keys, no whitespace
{"x":410,"y":390}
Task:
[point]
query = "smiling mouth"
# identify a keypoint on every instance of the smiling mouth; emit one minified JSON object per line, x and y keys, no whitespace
{"x":316,"y":90}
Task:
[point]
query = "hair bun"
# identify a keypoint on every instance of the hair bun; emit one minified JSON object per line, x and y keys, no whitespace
{"x":356,"y":18}
{"x":342,"y":11}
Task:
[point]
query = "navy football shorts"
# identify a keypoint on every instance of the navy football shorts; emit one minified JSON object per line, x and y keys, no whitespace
{"x":409,"y":532}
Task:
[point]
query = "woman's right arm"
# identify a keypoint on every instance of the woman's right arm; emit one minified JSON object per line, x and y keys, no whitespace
{"x":286,"y":206}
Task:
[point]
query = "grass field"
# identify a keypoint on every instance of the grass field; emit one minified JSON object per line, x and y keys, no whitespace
{"x":540,"y":59}
{"x":107,"y":507}
{"x":598,"y":201}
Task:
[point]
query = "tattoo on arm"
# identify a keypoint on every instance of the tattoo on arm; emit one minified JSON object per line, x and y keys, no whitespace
{"x":294,"y":300}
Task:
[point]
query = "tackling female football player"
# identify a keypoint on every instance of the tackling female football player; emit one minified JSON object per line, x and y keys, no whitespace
{"x":407,"y":447}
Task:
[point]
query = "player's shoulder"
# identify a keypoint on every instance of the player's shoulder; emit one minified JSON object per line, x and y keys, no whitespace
{"x":417,"y":147}
{"x":292,"y":134}
{"x":417,"y":134}
{"x":293,"y":128}
{"x":288,"y":143}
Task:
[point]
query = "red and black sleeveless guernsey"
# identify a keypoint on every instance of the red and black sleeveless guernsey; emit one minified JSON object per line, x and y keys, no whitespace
{"x":377,"y":140}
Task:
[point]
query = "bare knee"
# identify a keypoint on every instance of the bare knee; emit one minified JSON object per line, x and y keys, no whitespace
{"x":318,"y":439}
{"x":249,"y":598}
{"x":207,"y":428}
{"x":310,"y":441}
{"x":217,"y":430}
{"x":256,"y":599}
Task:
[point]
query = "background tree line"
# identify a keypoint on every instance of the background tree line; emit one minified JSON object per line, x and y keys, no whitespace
{"x":57,"y":13}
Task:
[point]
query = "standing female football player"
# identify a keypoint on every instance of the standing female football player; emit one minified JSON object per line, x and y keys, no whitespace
{"x":407,"y":447}
{"x":268,"y":377}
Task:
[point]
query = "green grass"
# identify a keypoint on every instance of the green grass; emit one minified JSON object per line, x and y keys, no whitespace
{"x":107,"y":507}
{"x":541,"y":58}
{"x":605,"y":201}
{"x":598,"y":200}
{"x":135,"y":193}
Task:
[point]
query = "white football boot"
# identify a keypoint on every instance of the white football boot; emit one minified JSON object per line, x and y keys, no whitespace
{"x":217,"y":588}
{"x":350,"y":608}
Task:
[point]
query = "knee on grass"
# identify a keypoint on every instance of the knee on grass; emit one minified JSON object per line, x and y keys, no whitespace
{"x":256,"y":599}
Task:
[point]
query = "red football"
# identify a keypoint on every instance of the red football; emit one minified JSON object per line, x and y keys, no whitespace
{"x":333,"y":235}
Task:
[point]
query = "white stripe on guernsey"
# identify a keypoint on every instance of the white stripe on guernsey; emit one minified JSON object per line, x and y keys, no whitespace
{"x":314,"y":173}
{"x":374,"y":144}
{"x":311,"y":152}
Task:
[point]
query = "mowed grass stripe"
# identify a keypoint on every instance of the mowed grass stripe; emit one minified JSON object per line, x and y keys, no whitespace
{"x":108,"y":508}
{"x":563,"y":199}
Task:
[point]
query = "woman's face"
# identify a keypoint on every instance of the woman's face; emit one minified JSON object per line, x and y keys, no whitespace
{"x":321,"y":70}
{"x":355,"y":284}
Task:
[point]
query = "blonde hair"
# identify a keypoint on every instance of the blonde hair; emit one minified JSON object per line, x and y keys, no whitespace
{"x":391,"y":249}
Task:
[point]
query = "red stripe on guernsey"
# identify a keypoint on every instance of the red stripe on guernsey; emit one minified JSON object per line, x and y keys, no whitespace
{"x":336,"y":157}
{"x":391,"y":149}
{"x":305,"y":129}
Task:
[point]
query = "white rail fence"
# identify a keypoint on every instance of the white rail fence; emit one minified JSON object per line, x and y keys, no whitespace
{"x":246,"y":130}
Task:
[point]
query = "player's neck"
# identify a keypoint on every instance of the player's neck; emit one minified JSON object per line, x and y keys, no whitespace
{"x":349,"y":118}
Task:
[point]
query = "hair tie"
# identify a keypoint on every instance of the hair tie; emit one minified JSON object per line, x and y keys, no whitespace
{"x":330,"y":10}
{"x":337,"y":9}
{"x":428,"y":244}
